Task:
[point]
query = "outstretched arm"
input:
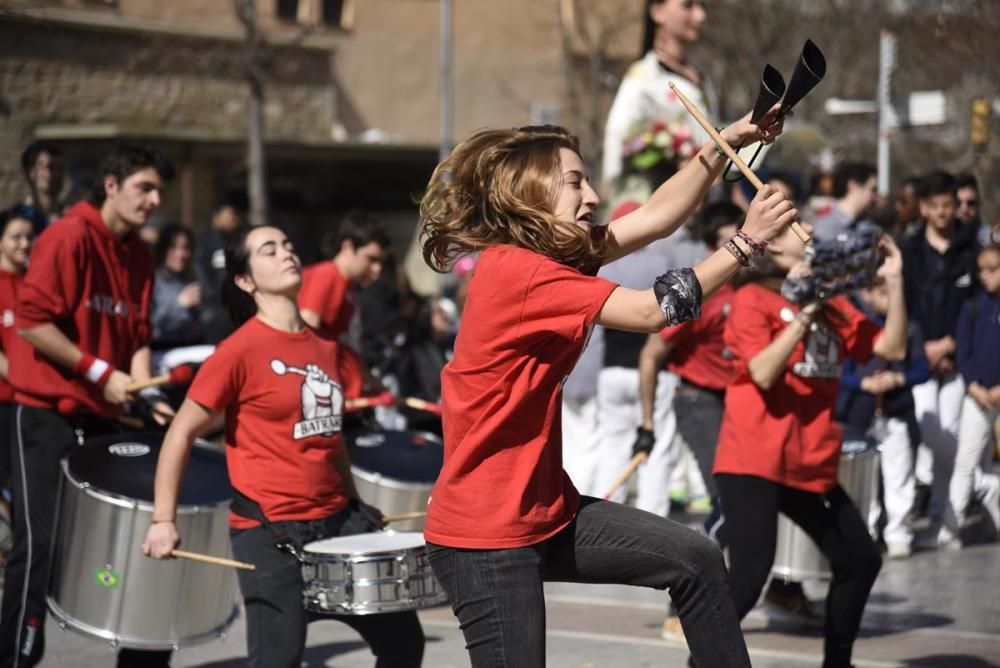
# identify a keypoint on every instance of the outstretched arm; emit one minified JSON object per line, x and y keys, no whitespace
{"x":675,"y":200}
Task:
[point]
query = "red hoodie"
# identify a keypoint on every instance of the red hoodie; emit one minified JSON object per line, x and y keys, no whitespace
{"x":96,"y":288}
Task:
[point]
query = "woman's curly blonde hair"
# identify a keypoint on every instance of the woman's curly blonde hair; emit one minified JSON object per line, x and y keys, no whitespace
{"x":499,"y":187}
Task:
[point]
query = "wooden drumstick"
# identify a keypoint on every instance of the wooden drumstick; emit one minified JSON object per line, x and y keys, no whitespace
{"x":179,"y":375}
{"x":629,"y":470}
{"x":386,"y":519}
{"x":730,"y":153}
{"x":209,"y":559}
{"x":421,"y":405}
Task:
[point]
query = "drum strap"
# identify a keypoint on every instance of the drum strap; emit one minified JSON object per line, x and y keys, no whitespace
{"x":244,"y":506}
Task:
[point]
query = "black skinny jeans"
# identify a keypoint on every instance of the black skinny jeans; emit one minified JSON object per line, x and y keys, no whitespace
{"x":751,"y":506}
{"x":498,"y":597}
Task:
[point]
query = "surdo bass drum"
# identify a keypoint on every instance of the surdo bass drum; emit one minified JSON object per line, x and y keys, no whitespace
{"x":102,"y":585}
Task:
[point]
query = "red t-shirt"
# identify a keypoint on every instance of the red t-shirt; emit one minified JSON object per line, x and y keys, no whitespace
{"x":96,"y":288}
{"x":787,"y":433}
{"x":699,"y":353}
{"x":327,"y":293}
{"x":10,"y":342}
{"x":525,"y":323}
{"x":282,"y":427}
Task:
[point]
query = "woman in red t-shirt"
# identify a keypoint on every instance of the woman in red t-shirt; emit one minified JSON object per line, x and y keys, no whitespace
{"x":779,"y":445}
{"x":277,"y":381}
{"x":503,"y":516}
{"x":16,"y":233}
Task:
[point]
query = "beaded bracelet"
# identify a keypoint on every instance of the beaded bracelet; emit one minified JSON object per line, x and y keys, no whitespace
{"x":756,"y":244}
{"x":737,"y":253}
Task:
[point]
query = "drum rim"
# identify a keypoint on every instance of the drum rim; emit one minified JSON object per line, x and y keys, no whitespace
{"x":375,"y":478}
{"x":309,"y":556}
{"x":429,"y":435}
{"x":123,"y":501}
{"x":132,"y":642}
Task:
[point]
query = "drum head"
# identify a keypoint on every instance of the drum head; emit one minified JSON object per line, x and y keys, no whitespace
{"x":407,"y":456}
{"x":368,"y":543}
{"x":125,"y":465}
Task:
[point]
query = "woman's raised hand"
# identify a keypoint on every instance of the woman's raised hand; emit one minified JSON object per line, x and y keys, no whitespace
{"x":767,"y":129}
{"x":769,"y":213}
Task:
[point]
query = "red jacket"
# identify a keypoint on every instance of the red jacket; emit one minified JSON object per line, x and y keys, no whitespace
{"x":96,"y":288}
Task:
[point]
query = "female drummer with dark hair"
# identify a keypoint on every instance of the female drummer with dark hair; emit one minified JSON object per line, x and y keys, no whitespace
{"x":779,"y":446}
{"x":503,"y":516}
{"x":277,"y":381}
{"x":16,"y":233}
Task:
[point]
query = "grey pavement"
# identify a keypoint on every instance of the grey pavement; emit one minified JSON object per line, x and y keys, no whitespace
{"x":936,"y":609}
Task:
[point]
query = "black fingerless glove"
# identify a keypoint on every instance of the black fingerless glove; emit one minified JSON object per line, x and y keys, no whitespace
{"x":644,"y":441}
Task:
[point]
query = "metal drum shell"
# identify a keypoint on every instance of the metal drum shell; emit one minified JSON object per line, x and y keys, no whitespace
{"x":370,"y":583}
{"x":391,"y":495}
{"x":152,"y":604}
{"x":796,"y":556}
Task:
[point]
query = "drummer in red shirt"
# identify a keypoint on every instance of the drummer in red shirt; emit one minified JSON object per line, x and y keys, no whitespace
{"x":276,"y":381}
{"x":329,"y":295}
{"x":504,"y":516}
{"x":16,"y":234}
{"x":83,"y":309}
{"x":695,"y":352}
{"x":779,"y":446}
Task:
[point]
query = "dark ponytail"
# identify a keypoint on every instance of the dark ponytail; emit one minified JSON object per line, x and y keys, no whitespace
{"x":239,"y":303}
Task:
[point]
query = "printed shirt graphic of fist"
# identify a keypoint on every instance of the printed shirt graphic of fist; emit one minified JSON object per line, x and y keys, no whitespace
{"x":318,"y":396}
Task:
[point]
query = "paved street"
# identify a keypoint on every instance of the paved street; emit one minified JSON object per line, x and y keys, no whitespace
{"x":940,"y":610}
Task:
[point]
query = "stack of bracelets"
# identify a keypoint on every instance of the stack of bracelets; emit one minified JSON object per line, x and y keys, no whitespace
{"x":756,"y":245}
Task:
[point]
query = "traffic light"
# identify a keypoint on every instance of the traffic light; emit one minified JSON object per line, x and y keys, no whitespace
{"x":979,"y":127}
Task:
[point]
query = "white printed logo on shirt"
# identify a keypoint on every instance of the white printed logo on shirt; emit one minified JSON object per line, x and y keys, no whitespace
{"x":8,"y":318}
{"x":822,"y":357}
{"x":322,"y":400}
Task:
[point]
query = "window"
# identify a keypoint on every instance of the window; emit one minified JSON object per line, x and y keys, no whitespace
{"x":336,"y":14}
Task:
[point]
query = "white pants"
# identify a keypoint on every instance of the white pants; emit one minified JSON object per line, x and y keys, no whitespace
{"x":938,"y":405}
{"x":581,"y":443}
{"x":897,"y":481}
{"x":619,"y":415}
{"x":974,"y":439}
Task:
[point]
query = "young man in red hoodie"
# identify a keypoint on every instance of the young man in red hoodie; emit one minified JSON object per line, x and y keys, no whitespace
{"x":84,"y":310}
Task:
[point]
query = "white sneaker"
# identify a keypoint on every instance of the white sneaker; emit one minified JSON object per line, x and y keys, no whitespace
{"x":898,"y":550}
{"x":942,"y":539}
{"x":989,"y":496}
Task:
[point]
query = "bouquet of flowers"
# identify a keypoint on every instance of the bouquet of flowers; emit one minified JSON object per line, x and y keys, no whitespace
{"x":658,"y":142}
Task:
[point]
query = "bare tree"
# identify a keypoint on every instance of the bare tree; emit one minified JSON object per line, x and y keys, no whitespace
{"x":254,"y":65}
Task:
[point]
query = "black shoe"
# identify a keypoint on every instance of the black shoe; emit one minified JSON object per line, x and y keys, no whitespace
{"x":917,"y":517}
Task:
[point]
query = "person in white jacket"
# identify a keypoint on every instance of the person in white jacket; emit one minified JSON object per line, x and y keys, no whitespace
{"x":644,"y":95}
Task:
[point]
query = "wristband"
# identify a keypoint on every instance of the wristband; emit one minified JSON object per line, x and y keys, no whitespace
{"x":94,"y":369}
{"x":718,"y":149}
{"x":737,"y":253}
{"x":156,"y":521}
{"x":757,"y":245}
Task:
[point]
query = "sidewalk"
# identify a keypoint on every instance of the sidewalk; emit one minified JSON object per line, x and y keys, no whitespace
{"x":940,"y":610}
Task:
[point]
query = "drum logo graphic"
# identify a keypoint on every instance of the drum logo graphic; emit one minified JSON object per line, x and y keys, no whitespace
{"x":107,"y":577}
{"x":322,"y":400}
{"x":129,"y":449}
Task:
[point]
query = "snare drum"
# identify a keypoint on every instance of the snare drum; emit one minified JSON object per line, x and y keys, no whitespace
{"x":396,"y":470}
{"x":102,"y":585}
{"x":368,"y":573}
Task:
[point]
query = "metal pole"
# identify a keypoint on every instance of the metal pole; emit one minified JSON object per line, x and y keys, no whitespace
{"x":446,"y":83}
{"x":886,"y":64}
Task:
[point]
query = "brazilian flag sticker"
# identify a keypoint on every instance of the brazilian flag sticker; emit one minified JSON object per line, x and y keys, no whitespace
{"x":107,"y":577}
